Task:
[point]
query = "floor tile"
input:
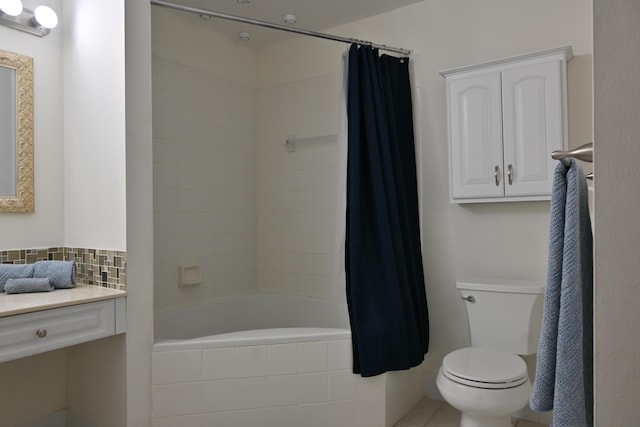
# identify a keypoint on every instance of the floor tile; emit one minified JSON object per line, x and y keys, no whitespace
{"x":445,"y":417}
{"x":435,"y":413}
{"x":424,"y":411}
{"x":526,"y":423}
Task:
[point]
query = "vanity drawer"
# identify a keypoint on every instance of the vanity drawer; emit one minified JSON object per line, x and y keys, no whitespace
{"x":26,"y":334}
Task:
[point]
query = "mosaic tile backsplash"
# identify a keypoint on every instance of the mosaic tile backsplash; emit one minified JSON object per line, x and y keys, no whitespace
{"x":94,"y":266}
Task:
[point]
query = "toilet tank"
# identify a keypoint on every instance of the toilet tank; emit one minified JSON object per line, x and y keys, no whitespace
{"x":504,"y":315}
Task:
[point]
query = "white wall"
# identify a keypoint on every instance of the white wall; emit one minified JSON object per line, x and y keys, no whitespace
{"x":33,"y":387}
{"x":94,"y":125}
{"x":42,"y":377}
{"x":617,"y":231}
{"x":204,"y":161}
{"x":44,"y":227}
{"x":139,"y":337}
{"x":96,"y":391}
{"x":505,"y":240}
{"x":79,"y":193}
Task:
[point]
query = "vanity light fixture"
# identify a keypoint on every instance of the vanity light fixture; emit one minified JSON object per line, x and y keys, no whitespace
{"x":38,"y":22}
{"x":10,"y":7}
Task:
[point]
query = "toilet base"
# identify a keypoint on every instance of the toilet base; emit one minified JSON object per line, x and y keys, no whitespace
{"x":467,"y":421}
{"x":483,"y":407}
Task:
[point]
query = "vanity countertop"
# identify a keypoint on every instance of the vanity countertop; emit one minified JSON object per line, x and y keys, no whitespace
{"x":13,"y":304}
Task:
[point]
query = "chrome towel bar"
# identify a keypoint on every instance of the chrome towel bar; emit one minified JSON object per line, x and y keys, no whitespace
{"x":583,"y":152}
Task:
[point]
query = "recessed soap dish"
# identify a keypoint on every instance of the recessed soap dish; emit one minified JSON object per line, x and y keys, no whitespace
{"x":189,"y":275}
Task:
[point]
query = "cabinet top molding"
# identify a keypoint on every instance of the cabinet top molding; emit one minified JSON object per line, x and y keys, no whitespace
{"x":566,"y":51}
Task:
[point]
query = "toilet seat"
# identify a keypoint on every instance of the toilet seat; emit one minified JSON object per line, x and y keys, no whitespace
{"x":485,"y":368}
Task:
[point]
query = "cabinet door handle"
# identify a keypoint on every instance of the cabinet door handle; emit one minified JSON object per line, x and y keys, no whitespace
{"x":496,"y":175}
{"x":510,"y":173}
{"x":41,"y":333}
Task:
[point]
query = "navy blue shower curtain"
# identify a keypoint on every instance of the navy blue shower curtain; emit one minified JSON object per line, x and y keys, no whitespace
{"x":383,"y":261}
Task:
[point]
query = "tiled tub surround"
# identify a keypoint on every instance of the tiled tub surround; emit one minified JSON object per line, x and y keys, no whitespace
{"x":280,"y":377}
{"x":273,"y":378}
{"x":97,"y":267}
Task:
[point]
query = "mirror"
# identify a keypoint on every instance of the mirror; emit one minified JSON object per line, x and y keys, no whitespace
{"x":16,"y":133}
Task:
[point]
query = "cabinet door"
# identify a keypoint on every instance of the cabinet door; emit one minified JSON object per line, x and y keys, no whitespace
{"x":533,"y":126}
{"x":475,"y":128}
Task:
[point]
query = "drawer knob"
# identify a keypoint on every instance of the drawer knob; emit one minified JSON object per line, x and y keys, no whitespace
{"x":41,"y":333}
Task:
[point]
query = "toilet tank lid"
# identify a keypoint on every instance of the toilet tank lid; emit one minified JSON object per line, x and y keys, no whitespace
{"x":503,"y":285}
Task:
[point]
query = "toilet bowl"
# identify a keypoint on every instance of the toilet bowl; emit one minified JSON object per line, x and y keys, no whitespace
{"x":485,"y":385}
{"x":488,"y":382}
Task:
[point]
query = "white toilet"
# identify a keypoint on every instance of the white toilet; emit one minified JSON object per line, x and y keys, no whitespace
{"x":488,"y":381}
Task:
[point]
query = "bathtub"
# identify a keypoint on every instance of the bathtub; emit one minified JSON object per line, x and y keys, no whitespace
{"x":234,"y":362}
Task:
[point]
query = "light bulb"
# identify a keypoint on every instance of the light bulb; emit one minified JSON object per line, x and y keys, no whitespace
{"x":45,"y":17}
{"x":11,"y":7}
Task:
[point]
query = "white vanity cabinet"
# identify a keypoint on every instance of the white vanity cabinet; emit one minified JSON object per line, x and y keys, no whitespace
{"x":48,"y":321}
{"x":504,"y":120}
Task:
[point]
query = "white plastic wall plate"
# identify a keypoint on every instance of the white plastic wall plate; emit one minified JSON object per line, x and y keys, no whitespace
{"x":189,"y":275}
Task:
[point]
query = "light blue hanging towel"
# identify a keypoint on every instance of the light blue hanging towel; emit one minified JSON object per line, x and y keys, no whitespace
{"x":564,"y":372}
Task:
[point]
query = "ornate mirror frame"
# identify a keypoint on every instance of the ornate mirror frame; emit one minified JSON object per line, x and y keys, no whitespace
{"x":24,"y":199}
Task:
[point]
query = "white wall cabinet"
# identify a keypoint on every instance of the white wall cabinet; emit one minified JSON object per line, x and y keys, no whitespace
{"x":504,"y":120}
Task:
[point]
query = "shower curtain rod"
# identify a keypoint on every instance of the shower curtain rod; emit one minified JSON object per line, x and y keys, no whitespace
{"x":401,"y":51}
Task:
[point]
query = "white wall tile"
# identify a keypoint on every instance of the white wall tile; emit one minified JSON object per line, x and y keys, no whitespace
{"x":251,"y":393}
{"x":187,"y":200}
{"x":286,"y":416}
{"x":250,"y":361}
{"x":166,"y":200}
{"x":182,"y":421}
{"x":314,"y":415}
{"x":159,"y":368}
{"x":343,"y":413}
{"x":165,"y":175}
{"x":250,"y":418}
{"x":282,"y":390}
{"x":339,"y":355}
{"x":159,"y":401}
{"x":188,"y":223}
{"x":312,"y":356}
{"x":371,"y":412}
{"x":184,"y":398}
{"x":282,"y":359}
{"x":217,"y":363}
{"x":218,"y":395}
{"x":201,"y":148}
{"x":371,"y":386}
{"x":312,"y":388}
{"x":184,"y":366}
{"x":187,"y":177}
{"x":219,"y":419}
{"x":342,"y":385}
{"x":58,"y":419}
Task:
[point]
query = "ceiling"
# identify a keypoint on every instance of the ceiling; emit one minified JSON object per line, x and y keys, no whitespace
{"x":314,"y":15}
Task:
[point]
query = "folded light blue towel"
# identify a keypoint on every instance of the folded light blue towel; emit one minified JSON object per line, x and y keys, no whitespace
{"x":14,"y":271}
{"x":28,"y":285}
{"x":62,"y":274}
